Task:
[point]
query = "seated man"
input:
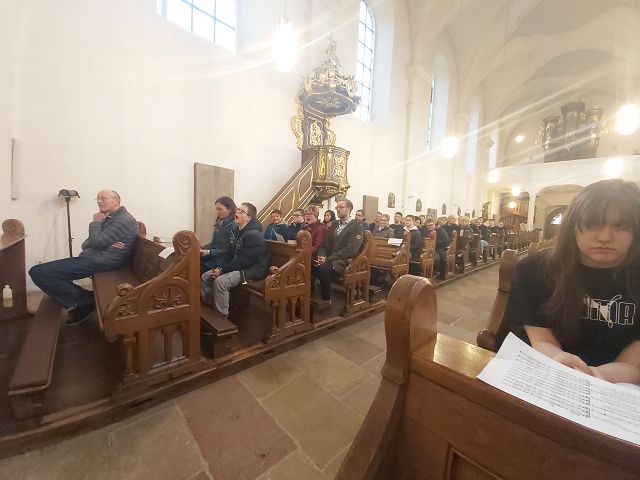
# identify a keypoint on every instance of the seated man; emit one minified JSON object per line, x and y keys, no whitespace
{"x":383,"y":229}
{"x":343,"y":241}
{"x":249,"y":261}
{"x":376,"y":222}
{"x":276,"y":226}
{"x":360,"y":216}
{"x":483,"y":233}
{"x":451,"y":225}
{"x":442,"y":242}
{"x":398,"y":226}
{"x":297,"y":221}
{"x":112,"y":237}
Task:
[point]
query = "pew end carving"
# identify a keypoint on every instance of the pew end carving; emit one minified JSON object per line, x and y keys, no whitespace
{"x":391,"y":259}
{"x":356,"y":278}
{"x":288,"y":291}
{"x":491,"y":337}
{"x":153,"y":309}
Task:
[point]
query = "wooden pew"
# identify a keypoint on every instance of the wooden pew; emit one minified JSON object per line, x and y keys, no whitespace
{"x":462,"y":253}
{"x":356,"y":278}
{"x":12,"y":270}
{"x":153,"y":308}
{"x":492,"y":336}
{"x":431,"y":418}
{"x":427,"y":257}
{"x":288,"y":291}
{"x":391,"y":259}
{"x":451,"y":254}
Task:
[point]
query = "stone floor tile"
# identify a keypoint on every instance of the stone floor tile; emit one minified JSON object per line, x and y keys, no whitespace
{"x":447,"y":318}
{"x":294,"y":467}
{"x":464,"y":335}
{"x":366,"y":323}
{"x":318,"y":422}
{"x":267,"y":377}
{"x":351,"y":347}
{"x":237,"y":437}
{"x":159,"y":446}
{"x":374,"y":334}
{"x":334,"y":465}
{"x":361,"y":396}
{"x":13,"y":468}
{"x":375,"y":365}
{"x":81,"y":457}
{"x":327,"y":368}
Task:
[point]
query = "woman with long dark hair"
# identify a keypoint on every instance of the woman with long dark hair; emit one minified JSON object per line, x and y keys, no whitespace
{"x":220,"y":245}
{"x":329,"y":218}
{"x":579,"y":303}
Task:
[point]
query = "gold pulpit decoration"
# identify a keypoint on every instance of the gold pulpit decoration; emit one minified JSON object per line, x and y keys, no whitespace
{"x":324,"y":93}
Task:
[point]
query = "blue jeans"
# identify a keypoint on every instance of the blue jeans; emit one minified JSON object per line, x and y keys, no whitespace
{"x":56,"y":280}
{"x":440,"y":261}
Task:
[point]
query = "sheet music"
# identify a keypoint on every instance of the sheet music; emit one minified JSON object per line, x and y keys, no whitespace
{"x":166,"y":252}
{"x":395,"y":241}
{"x":280,"y":238}
{"x":529,"y":375}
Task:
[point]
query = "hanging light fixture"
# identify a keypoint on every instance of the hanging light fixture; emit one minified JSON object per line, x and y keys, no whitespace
{"x":516,"y":191}
{"x":284,"y":44}
{"x":628,"y":119}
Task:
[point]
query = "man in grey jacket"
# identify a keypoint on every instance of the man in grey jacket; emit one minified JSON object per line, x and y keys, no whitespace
{"x":342,"y":242}
{"x":112,"y":236}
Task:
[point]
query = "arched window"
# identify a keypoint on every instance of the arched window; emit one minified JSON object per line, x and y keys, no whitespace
{"x":213,"y":20}
{"x":440,"y":100}
{"x":472,"y":137}
{"x":557,"y":220}
{"x":364,"y":65}
{"x":430,"y":124}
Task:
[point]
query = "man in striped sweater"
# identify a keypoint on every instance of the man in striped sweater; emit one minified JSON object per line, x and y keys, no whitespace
{"x":112,"y":236}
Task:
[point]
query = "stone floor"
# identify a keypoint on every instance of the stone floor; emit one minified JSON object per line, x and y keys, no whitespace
{"x":292,"y":417}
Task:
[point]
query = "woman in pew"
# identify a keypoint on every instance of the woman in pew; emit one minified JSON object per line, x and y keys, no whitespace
{"x":329,"y":218}
{"x":220,"y":246}
{"x":317,"y":230}
{"x":415,"y":246}
{"x":580,"y":302}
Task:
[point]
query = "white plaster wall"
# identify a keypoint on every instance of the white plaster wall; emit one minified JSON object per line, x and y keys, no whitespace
{"x":111,"y":95}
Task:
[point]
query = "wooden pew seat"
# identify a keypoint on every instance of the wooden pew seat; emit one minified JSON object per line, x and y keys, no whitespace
{"x":34,"y":369}
{"x":152,"y":306}
{"x":432,"y":418}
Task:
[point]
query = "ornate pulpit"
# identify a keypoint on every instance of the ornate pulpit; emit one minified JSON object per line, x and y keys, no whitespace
{"x":324,"y":93}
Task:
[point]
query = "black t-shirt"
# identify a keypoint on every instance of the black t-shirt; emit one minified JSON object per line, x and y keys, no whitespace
{"x":609,"y":319}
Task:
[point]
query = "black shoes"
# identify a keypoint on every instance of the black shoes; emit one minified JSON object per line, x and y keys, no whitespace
{"x":79,"y":315}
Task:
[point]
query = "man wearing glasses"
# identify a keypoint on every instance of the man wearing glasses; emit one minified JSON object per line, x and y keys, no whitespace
{"x":248,"y":260}
{"x":297,"y":221}
{"x":342,"y":242}
{"x":112,"y":237}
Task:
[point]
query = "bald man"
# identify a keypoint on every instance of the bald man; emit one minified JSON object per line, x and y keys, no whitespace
{"x":112,"y":237}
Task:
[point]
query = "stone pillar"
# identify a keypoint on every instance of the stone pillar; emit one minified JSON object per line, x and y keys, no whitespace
{"x":532,"y":205}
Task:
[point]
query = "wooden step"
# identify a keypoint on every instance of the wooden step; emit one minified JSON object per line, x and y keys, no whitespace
{"x":34,"y":369}
{"x":221,"y":326}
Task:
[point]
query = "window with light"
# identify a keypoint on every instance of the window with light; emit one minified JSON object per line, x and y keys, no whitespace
{"x":364,"y":65}
{"x":213,"y":20}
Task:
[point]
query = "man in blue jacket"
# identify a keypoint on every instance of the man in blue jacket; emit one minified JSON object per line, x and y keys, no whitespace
{"x":112,"y":237}
{"x":248,"y":261}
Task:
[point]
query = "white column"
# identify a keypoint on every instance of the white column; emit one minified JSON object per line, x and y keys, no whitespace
{"x":532,"y":209}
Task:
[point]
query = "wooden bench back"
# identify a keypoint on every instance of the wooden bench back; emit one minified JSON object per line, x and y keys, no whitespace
{"x":13,"y":269}
{"x":432,"y":418}
{"x":146,"y":262}
{"x":383,"y":253}
{"x":490,"y":338}
{"x":427,"y":256}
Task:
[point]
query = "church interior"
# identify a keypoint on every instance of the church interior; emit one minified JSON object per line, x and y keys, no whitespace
{"x":501,"y":109}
